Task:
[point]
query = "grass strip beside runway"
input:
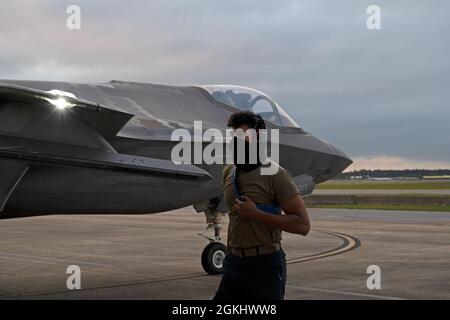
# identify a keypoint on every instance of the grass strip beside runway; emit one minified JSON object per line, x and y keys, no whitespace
{"x":387,"y":185}
{"x":437,"y":208}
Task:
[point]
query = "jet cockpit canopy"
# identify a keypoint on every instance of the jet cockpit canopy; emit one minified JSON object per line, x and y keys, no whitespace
{"x":248,"y":99}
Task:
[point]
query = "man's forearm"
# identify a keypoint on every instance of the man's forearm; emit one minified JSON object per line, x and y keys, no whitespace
{"x":292,"y":223}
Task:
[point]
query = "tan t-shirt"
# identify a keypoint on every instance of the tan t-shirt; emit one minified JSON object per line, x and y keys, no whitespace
{"x":261,"y":189}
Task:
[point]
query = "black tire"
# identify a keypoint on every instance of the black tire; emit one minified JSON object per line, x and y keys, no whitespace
{"x":212,"y":258}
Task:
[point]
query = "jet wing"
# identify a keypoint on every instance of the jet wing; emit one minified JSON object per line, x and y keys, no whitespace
{"x":102,"y":120}
{"x":105,"y":121}
{"x":50,"y":152}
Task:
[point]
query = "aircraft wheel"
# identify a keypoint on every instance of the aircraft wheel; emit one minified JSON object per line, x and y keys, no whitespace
{"x":212,"y":258}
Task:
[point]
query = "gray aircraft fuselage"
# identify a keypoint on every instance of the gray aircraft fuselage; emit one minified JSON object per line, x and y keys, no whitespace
{"x":110,"y":153}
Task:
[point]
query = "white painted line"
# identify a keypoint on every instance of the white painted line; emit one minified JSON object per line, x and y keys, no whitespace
{"x":364,"y":295}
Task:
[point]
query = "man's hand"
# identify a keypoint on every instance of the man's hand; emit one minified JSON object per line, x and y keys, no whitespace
{"x":247,"y":208}
{"x":295,"y":219}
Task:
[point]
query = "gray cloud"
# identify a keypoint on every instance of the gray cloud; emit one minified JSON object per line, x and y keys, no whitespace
{"x":369,"y":92}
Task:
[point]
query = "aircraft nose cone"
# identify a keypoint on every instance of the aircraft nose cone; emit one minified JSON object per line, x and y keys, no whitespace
{"x":340,"y":161}
{"x":337,"y":162}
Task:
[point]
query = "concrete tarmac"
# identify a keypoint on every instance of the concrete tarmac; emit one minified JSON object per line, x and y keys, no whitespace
{"x":393,"y":192}
{"x":158,"y":256}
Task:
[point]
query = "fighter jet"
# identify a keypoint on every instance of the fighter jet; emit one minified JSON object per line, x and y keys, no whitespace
{"x":71,"y":148}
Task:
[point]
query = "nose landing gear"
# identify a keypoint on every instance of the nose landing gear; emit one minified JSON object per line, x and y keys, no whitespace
{"x":212,"y":258}
{"x":214,"y":253}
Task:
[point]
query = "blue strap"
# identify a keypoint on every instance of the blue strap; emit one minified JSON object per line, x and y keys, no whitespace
{"x":269,"y":208}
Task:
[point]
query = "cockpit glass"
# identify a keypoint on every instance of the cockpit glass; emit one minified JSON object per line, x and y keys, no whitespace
{"x":247,"y":99}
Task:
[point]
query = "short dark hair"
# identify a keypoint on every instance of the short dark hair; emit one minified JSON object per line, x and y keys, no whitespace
{"x":248,"y":118}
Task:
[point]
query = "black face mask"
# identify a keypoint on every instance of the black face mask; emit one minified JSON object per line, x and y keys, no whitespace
{"x":246,"y":166}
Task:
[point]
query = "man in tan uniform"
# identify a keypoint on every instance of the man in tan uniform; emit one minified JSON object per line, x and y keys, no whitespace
{"x":255,"y":266}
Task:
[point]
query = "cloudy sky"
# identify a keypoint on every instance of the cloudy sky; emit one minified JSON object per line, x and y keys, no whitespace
{"x":382,"y":96}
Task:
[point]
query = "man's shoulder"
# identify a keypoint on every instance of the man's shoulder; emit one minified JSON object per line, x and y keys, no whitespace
{"x":281,"y":176}
{"x":284,"y":185}
{"x":282,"y":171}
{"x":279,"y":171}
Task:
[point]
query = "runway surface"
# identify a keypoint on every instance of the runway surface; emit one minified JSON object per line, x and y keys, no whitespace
{"x":393,"y":192}
{"x":158,"y":256}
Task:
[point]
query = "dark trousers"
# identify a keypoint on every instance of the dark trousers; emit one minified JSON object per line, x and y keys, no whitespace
{"x":253,"y":278}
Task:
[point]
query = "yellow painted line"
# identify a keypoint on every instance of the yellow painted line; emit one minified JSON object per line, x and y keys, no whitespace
{"x":348,"y":244}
